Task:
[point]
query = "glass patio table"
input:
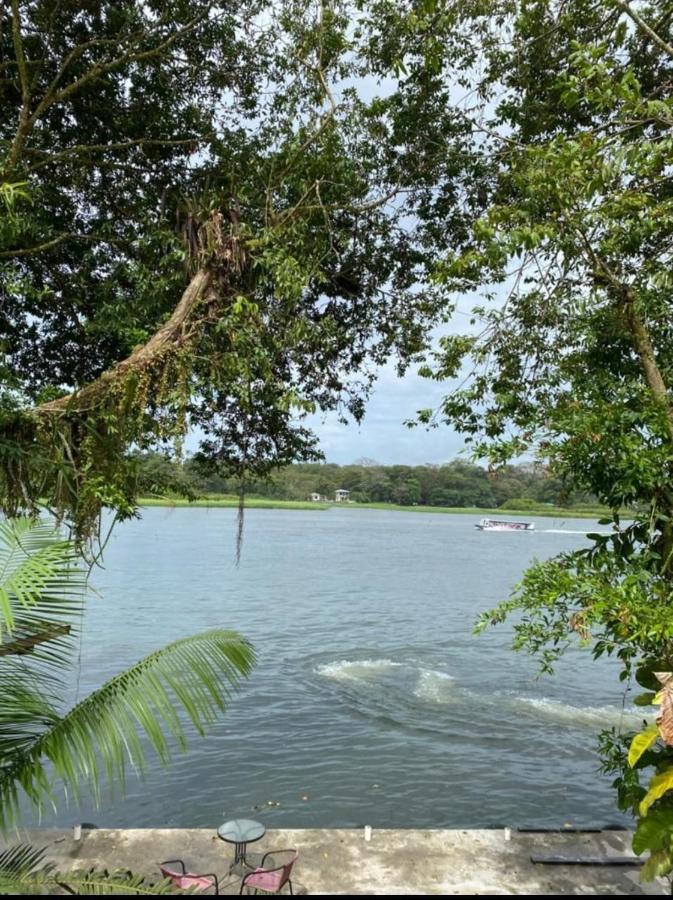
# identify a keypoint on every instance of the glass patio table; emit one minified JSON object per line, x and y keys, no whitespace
{"x":241,"y":832}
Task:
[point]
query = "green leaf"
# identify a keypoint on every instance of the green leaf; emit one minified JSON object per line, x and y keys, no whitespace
{"x":659,"y":785}
{"x":653,"y":831}
{"x":645,"y":675}
{"x":645,"y":699}
{"x":641,"y":743}
{"x":20,"y":869}
{"x":659,"y":863}
{"x":39,"y":575}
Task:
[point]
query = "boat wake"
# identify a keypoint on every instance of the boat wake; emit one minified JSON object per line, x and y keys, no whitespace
{"x":413,"y":695}
{"x":434,"y":686}
{"x":589,"y":716}
{"x":570,"y":531}
{"x":358,"y":669}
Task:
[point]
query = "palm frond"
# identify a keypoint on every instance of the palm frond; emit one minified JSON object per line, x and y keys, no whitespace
{"x":24,"y":871}
{"x":24,"y":715}
{"x":42,"y":582}
{"x":195,"y":675}
{"x":95,"y":882}
{"x":42,"y":589}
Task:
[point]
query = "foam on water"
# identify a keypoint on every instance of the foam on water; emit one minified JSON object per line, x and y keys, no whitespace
{"x":413,"y":682}
{"x":356,"y":669}
{"x":589,"y":716}
{"x":434,"y":686}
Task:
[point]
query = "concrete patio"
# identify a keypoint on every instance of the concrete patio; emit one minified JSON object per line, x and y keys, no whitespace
{"x":340,"y":861}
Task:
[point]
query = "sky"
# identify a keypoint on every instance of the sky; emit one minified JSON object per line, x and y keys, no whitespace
{"x":382,"y":435}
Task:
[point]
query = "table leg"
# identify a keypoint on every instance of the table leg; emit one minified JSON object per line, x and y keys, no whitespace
{"x":239,"y":862}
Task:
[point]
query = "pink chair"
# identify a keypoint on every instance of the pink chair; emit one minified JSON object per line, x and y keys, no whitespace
{"x":273,"y":880}
{"x":184,"y":880}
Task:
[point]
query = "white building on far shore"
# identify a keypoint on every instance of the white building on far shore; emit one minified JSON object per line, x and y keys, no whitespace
{"x":341,"y":496}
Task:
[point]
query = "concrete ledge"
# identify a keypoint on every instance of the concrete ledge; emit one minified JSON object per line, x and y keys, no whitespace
{"x":394,"y":861}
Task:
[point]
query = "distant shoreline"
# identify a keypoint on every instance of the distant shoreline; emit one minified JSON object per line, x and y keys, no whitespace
{"x":555,"y":512}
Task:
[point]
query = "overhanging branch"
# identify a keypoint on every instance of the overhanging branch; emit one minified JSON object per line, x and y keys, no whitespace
{"x":168,"y":337}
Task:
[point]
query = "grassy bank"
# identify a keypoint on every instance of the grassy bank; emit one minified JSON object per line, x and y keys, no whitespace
{"x":220,"y":500}
{"x":224,"y":500}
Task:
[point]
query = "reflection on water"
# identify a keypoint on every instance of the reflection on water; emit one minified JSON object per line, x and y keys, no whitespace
{"x":372,"y":701}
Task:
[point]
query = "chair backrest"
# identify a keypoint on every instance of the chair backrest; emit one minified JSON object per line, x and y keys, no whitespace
{"x":272,"y":878}
{"x":187,"y":880}
{"x":287,"y":866}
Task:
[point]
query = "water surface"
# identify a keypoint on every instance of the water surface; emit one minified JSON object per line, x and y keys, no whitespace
{"x":372,"y":701}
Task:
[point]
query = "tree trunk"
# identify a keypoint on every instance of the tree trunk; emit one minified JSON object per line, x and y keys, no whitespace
{"x":648,"y":359}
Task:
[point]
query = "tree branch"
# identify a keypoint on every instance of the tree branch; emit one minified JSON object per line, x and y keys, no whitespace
{"x":168,"y":336}
{"x":52,"y":96}
{"x":24,"y":116}
{"x":19,"y":645}
{"x":641,"y":337}
{"x":18,"y":49}
{"x":54,"y":242}
{"x":102,"y":68}
{"x":83,"y":149}
{"x":642,"y":24}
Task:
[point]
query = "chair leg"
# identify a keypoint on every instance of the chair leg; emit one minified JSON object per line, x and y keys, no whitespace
{"x":290,"y":883}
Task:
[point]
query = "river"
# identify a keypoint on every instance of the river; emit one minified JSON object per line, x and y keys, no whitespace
{"x":372,"y":702}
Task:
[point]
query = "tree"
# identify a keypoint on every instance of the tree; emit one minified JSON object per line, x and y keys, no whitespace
{"x":574,"y":360}
{"x":207,"y":225}
{"x":42,"y":592}
{"x":158,"y":474}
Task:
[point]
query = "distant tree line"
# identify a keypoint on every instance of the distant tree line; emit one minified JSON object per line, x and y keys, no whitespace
{"x":456,"y":483}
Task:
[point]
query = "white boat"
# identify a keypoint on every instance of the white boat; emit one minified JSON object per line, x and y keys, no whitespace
{"x":500,"y":525}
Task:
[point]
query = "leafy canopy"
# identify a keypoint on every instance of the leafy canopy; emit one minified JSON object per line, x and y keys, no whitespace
{"x":209,"y":225}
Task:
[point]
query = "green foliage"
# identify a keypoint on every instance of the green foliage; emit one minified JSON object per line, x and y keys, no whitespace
{"x":642,"y":742}
{"x":24,"y":871}
{"x":654,"y":830}
{"x":454,"y":484}
{"x":520,"y":503}
{"x":654,"y":804}
{"x":660,"y":785}
{"x":37,"y":566}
